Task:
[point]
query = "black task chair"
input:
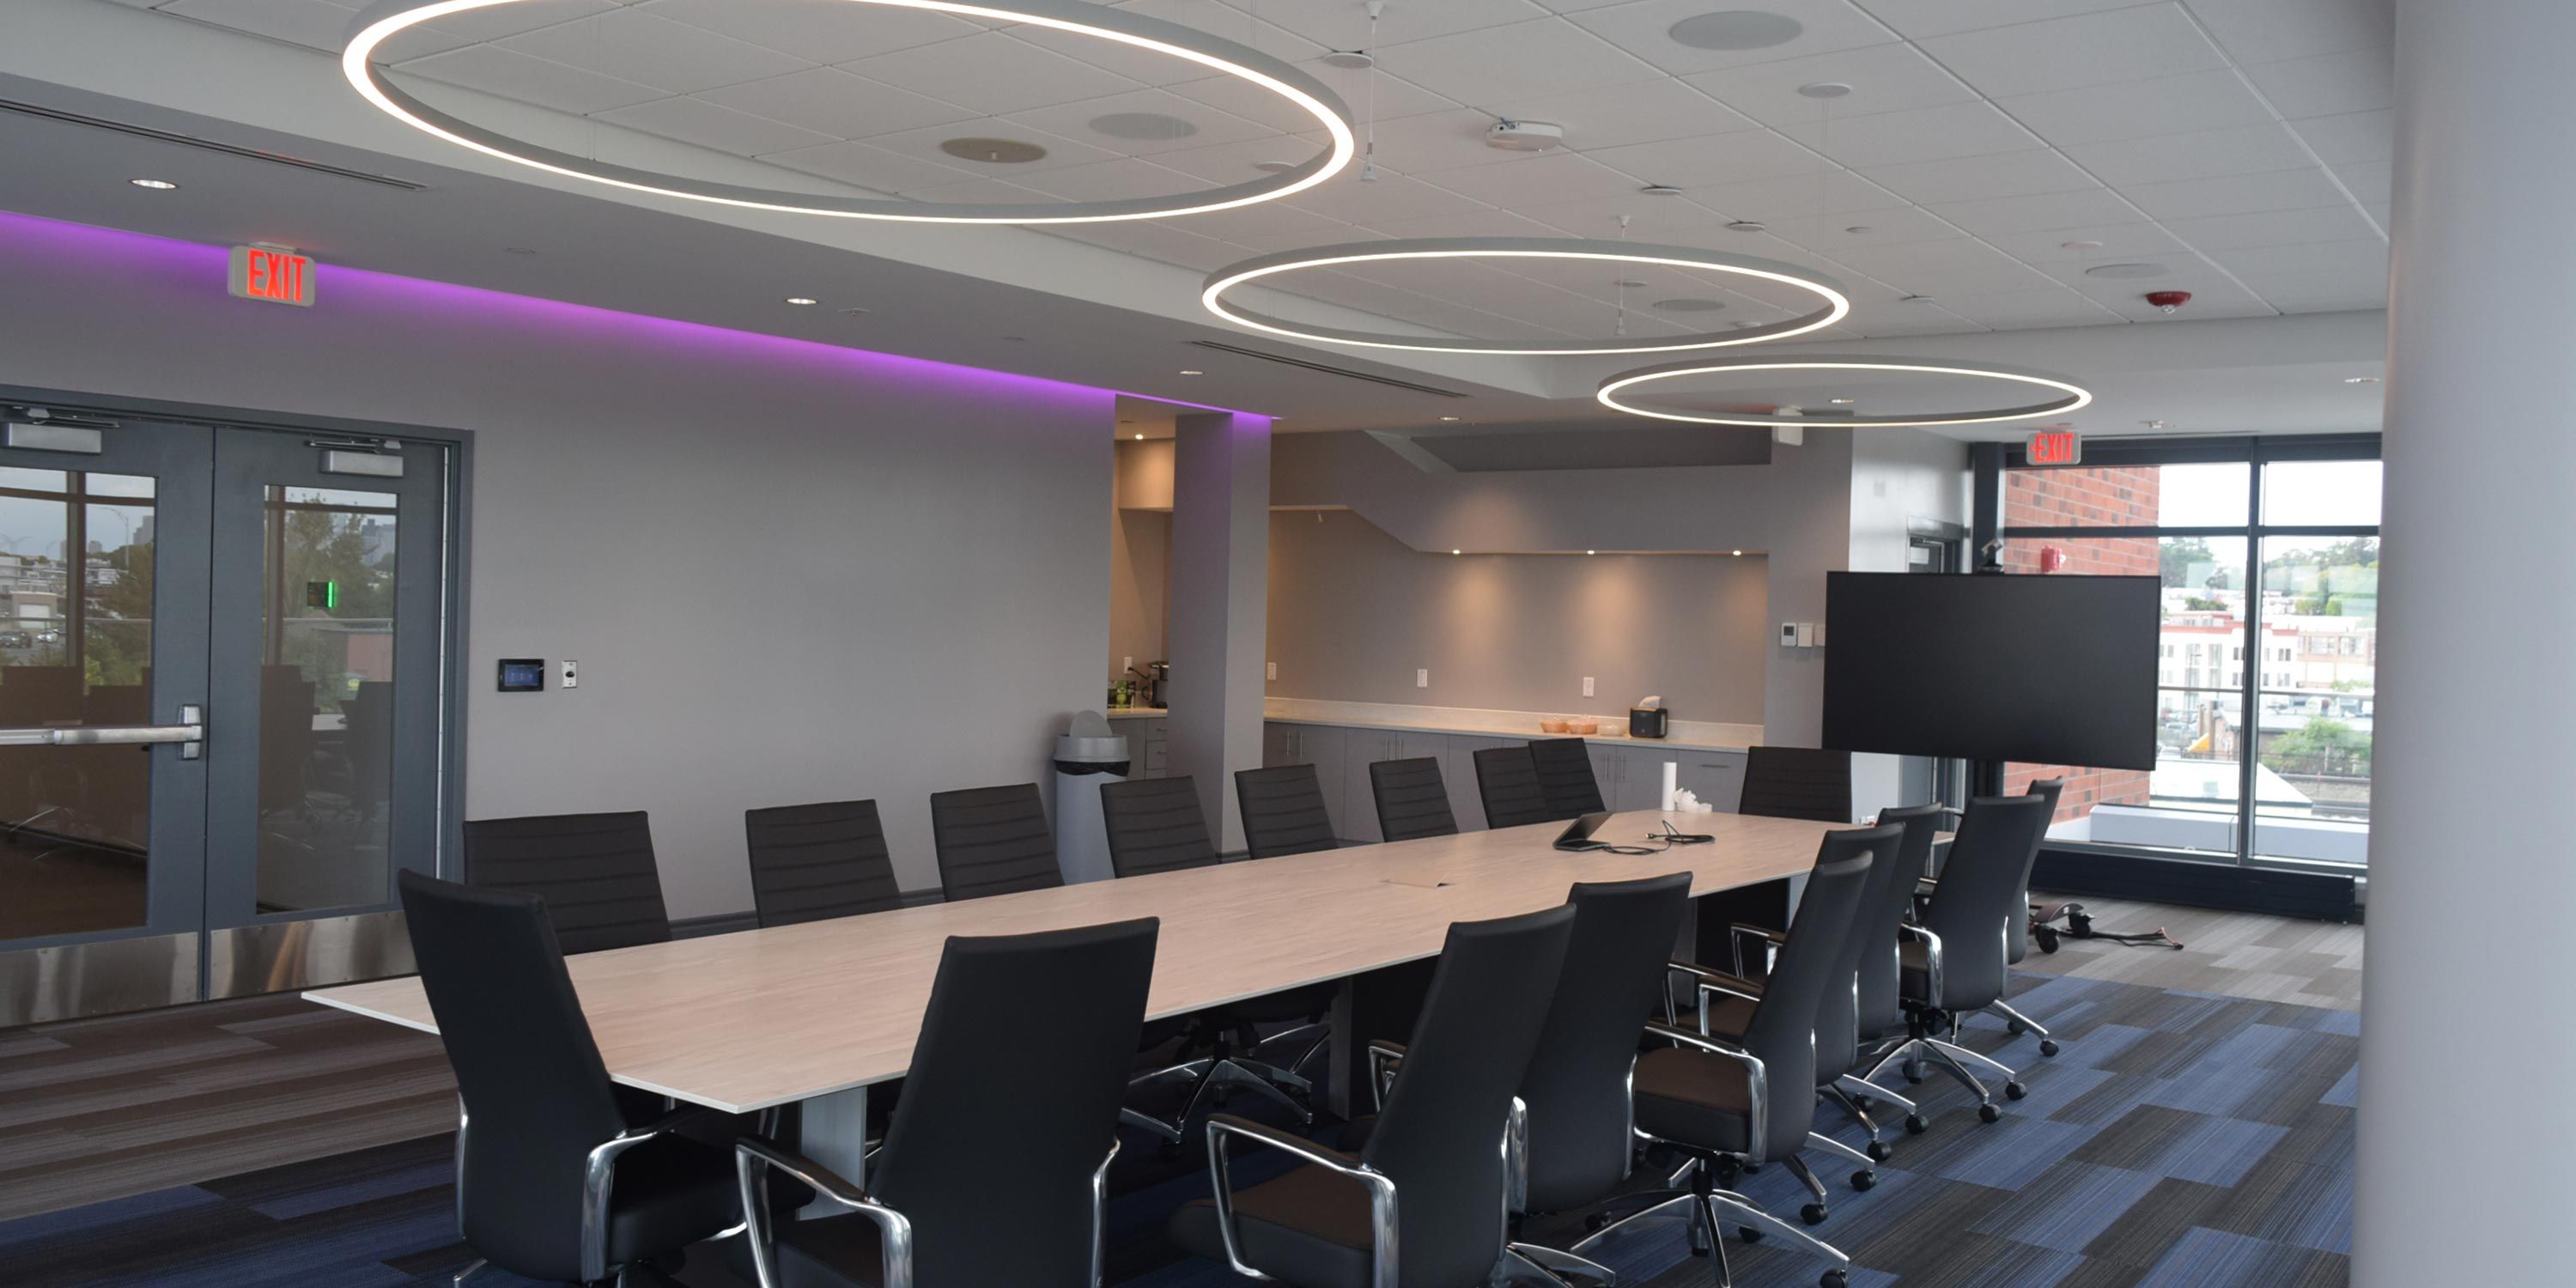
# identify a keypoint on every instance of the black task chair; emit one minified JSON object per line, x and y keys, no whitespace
{"x":553,"y":1180}
{"x":996,"y":1168}
{"x":1412,"y":802}
{"x":1954,"y":959}
{"x":1154,"y":825}
{"x":1726,"y":1106}
{"x":2041,"y":915}
{"x":816,"y":862}
{"x":1797,"y":782}
{"x":1422,"y":1203}
{"x":595,"y":872}
{"x":1283,"y":811}
{"x":993,"y":840}
{"x":1565,"y":776}
{"x":1507,"y":782}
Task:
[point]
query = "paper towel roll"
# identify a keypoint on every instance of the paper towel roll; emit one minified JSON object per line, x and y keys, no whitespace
{"x":1672,"y":782}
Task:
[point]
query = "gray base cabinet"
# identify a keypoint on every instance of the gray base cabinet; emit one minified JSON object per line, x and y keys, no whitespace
{"x":1631,"y":776}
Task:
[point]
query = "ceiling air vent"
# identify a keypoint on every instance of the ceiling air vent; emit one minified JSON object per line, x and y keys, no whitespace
{"x":1344,"y":372}
{"x":202,"y":145}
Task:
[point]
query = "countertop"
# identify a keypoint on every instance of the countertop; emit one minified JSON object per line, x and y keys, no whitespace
{"x":1488,"y":728}
{"x":1137,"y":713}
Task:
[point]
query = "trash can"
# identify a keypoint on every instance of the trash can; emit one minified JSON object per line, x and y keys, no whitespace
{"x":1087,"y":756}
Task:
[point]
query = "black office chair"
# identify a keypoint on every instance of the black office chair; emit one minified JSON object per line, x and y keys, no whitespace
{"x":1797,"y":782}
{"x":1726,"y":1106}
{"x":594,"y":871}
{"x":1422,"y":1202}
{"x":553,"y":1180}
{"x":1283,"y":811}
{"x":996,"y":1168}
{"x":1565,"y":776}
{"x":815,"y":862}
{"x":1954,"y":960}
{"x":992,"y":840}
{"x":1507,"y":783}
{"x":1154,"y":825}
{"x":2041,"y":915}
{"x":1411,"y":800}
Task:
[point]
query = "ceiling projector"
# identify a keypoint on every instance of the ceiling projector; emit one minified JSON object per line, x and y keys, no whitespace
{"x":1524,"y":136}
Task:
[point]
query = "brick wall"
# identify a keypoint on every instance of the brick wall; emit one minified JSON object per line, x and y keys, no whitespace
{"x":2118,"y":497}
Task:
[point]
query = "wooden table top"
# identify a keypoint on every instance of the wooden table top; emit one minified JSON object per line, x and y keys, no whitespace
{"x":745,"y":1021}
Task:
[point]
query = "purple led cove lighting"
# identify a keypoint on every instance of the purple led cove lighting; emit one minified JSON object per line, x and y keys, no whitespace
{"x":349,"y":294}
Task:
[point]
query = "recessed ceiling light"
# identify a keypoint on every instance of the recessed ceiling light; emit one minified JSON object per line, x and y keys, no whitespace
{"x":517,"y":250}
{"x":990,"y":151}
{"x":1448,"y":418}
{"x":1825,"y":89}
{"x":802,"y":300}
{"x":1748,"y":226}
{"x":2361,"y":380}
{"x":1915,"y":299}
{"x":1193,"y":373}
{"x":1857,"y":229}
{"x":1629,"y":283}
{"x":1841,"y":402}
{"x":1140,"y":438}
{"x":1689,"y":304}
{"x":1457,"y":552}
{"x":2079,"y":245}
{"x":1735,"y":552}
{"x":157,"y":185}
{"x":2127,"y":270}
{"x":853,"y":311}
{"x":1736,"y":29}
{"x":1591,"y":552}
{"x":1659,"y":190}
{"x":1143,"y":125}
{"x":1350,"y":59}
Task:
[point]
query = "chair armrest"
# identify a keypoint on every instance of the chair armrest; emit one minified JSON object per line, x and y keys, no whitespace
{"x":1382,"y":1227}
{"x":1931,"y":959}
{"x":1737,"y":933}
{"x":1757,"y":1079}
{"x":1384,"y":1058}
{"x":753,"y":1158}
{"x":599,"y":1181}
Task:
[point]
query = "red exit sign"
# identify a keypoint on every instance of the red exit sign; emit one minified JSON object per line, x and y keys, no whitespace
{"x":274,"y":274}
{"x":2056,"y":447}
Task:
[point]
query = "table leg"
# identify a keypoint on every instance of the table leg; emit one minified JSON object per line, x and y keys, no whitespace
{"x":1380,"y":1005}
{"x":835,"y":1134}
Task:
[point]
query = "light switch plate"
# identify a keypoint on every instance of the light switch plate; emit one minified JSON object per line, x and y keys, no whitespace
{"x":1271,"y":670}
{"x":1806,"y":634}
{"x":1587,"y":686}
{"x":1422,"y":678}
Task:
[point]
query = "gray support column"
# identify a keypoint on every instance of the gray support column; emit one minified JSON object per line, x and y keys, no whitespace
{"x":1220,"y":573}
{"x":2464,"y":1171}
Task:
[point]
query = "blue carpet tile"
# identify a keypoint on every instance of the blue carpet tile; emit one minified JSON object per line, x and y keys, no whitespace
{"x":2180,"y":1139}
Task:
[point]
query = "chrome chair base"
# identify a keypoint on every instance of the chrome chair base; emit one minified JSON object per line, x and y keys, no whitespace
{"x":1210,"y":1074}
{"x":1711,"y":1213}
{"x":1530,"y":1263}
{"x":1953,"y":1060}
{"x":472,"y":1268}
{"x":2019,"y":1024}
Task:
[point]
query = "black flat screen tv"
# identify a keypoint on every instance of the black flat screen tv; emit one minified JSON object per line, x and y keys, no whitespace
{"x":2047,"y":669}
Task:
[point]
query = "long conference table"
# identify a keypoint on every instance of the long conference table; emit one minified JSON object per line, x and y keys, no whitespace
{"x":816,"y":1013}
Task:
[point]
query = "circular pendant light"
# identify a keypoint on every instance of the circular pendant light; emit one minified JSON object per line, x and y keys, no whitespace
{"x":1831,"y":304}
{"x":392,"y":17}
{"x":2066,"y":395}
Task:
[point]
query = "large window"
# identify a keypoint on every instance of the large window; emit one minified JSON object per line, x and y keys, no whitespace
{"x":2268,"y":551}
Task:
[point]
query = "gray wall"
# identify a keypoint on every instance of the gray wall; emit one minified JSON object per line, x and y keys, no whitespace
{"x":1140,"y":548}
{"x":791,"y":572}
{"x":1353,"y":613}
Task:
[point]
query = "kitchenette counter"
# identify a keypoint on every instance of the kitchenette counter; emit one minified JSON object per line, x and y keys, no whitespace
{"x":1687,"y":735}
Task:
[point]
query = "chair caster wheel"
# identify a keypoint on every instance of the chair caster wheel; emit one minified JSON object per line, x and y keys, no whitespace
{"x":1812,"y":1214}
{"x":1833,"y":1279}
{"x":2048,"y":1046}
{"x":1596,"y":1223}
{"x":1915,"y":1125}
{"x":1864,"y":1179}
{"x":1880,"y":1151}
{"x":1987,"y":1113}
{"x":1914,"y":1076}
{"x":1748,"y":1234}
{"x":2015,"y":1028}
{"x":2015,"y":1091}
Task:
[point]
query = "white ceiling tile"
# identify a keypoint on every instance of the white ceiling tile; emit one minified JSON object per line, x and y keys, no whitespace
{"x":514,"y":75}
{"x":1644,"y":112}
{"x":2242,"y":149}
{"x":2320,"y":292}
{"x":1204,"y":125}
{"x":1940,"y":267}
{"x":1928,"y":134}
{"x":2118,"y":243}
{"x":2039,"y":213}
{"x":1230,"y":19}
{"x":493,"y":22}
{"x":1155,"y":241}
{"x":1113,"y":181}
{"x":1645,"y":28}
{"x":2018,"y":310}
{"x":868,"y":166}
{"x":2088,"y":49}
{"x":1346,"y":198}
{"x":1394,"y":97}
{"x":1491,"y":64}
{"x":655,"y":51}
{"x":2353,"y":137}
{"x":1790,"y":196}
{"x":1471,"y":223}
{"x":2213,"y":297}
{"x":1267,"y":218}
{"x":693,"y":120}
{"x":2182,"y":269}
{"x":2262,"y":31}
{"x":2372,"y":182}
{"x":1150,"y":68}
{"x":981,"y":191}
{"x":1714,"y":159}
{"x":1648,"y":217}
{"x":1833,"y":233}
{"x":2361,"y":80}
{"x":2137,"y":109}
{"x":2382,"y":211}
{"x":991,"y":73}
{"x":2352,"y":260}
{"x":1346,"y":26}
{"x":2003,"y":174}
{"x":1545,"y":179}
{"x":2219,"y":233}
{"x":1883,"y":78}
{"x":314,"y":24}
{"x":2240,"y":194}
{"x":837,"y":103}
{"x":1061,"y":151}
{"x":1920,"y":19}
{"x":820,"y":33}
{"x":1891,"y":320}
{"x":1264,"y":243}
{"x":418,"y":42}
{"x":1436,"y":141}
{"x":1228,"y":163}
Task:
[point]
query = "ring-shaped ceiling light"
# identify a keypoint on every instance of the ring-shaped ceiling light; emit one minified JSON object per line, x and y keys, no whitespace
{"x":1832,"y":304}
{"x":389,"y":18}
{"x":2074,"y":395}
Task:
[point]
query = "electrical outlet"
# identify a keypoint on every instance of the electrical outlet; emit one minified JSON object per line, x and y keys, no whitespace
{"x":1126,"y":664}
{"x":1587,"y":686}
{"x":571,"y":674}
{"x":1270,"y":670}
{"x":1422,"y":678}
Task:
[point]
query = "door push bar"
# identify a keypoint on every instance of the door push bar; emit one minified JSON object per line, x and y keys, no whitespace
{"x":189,"y":733}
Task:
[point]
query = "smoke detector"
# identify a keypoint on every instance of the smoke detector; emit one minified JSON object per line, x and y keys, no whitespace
{"x":1525,"y":136}
{"x":1350,"y":59}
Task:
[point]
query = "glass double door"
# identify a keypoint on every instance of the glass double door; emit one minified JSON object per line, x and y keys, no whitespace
{"x":222,"y":654}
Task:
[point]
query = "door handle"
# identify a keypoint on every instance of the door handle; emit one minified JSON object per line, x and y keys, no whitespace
{"x":189,"y":734}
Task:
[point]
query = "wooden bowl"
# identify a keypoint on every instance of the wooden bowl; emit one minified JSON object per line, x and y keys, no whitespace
{"x":1551,"y":726}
